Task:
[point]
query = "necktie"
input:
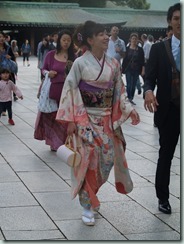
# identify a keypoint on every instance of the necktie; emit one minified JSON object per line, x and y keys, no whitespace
{"x":178,"y":59}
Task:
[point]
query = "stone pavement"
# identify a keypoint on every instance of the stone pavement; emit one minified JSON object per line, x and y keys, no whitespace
{"x":35,"y":201}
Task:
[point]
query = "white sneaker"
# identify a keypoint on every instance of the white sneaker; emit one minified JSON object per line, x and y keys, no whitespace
{"x":88,"y":217}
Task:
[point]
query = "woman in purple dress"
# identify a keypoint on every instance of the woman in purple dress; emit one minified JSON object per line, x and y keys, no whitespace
{"x":56,"y":64}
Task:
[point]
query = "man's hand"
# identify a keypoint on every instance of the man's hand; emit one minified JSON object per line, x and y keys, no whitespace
{"x":150,"y":102}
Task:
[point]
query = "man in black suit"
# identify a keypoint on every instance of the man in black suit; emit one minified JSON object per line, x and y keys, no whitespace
{"x":167,"y":113}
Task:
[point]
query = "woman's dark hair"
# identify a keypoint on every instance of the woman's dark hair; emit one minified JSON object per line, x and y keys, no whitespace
{"x":2,"y":33}
{"x":4,"y":44}
{"x":71,"y":54}
{"x":134,"y":34}
{"x":4,"y":70}
{"x":85,"y":31}
{"x":171,"y":10}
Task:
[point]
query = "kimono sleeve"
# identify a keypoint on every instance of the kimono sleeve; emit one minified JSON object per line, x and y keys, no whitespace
{"x":121,"y":106}
{"x":71,"y":107}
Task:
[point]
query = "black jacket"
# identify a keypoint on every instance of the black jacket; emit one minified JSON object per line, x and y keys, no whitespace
{"x":158,"y":73}
{"x":139,"y":60}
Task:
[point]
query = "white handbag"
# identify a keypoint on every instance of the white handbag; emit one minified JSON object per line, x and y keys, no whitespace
{"x":45,"y":104}
{"x":68,"y":154}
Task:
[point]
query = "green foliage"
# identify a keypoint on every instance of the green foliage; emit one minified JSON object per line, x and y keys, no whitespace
{"x":136,"y":4}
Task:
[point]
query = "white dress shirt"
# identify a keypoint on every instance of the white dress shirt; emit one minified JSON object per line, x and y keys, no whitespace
{"x":175,"y":43}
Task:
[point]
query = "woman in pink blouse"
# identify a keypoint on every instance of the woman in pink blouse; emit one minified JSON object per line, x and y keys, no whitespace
{"x":56,"y":65}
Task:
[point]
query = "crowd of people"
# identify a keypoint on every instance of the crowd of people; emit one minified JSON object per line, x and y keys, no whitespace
{"x":85,"y":72}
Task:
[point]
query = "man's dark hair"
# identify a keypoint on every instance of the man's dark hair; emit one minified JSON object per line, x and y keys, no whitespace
{"x":171,"y":10}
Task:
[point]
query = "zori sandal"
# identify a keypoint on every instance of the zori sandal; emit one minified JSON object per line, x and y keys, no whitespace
{"x":88,"y":217}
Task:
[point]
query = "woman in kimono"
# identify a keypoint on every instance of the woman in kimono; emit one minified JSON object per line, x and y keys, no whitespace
{"x":94,"y":106}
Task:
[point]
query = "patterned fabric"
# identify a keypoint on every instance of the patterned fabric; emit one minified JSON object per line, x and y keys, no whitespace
{"x":45,"y":104}
{"x":98,"y":123}
{"x":96,"y":97}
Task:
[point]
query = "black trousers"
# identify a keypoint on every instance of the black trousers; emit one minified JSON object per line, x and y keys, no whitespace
{"x":25,"y":57}
{"x":6,"y":106}
{"x":169,"y":134}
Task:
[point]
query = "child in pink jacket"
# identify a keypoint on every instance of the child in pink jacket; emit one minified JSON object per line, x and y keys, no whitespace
{"x":6,"y":89}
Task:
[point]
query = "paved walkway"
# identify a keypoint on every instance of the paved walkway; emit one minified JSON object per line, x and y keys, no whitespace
{"x":35,"y":202}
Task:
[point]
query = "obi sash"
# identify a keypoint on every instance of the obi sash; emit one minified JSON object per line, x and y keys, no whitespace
{"x":98,"y":97}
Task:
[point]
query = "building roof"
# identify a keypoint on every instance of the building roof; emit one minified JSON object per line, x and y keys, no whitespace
{"x":133,"y":18}
{"x":70,"y":14}
{"x":47,"y":14}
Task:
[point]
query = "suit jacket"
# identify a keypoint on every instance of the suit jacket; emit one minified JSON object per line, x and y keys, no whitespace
{"x":158,"y":73}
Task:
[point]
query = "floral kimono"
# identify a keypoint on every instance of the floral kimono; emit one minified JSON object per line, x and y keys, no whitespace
{"x":93,"y":97}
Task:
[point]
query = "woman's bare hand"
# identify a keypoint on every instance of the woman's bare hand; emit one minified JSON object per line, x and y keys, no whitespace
{"x":72,"y":128}
{"x":52,"y":74}
{"x":134,"y":117}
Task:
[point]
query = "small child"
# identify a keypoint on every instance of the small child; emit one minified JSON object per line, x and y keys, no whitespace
{"x":6,"y":89}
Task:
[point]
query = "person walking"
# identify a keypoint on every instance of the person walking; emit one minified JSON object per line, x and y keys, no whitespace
{"x":166,"y":107}
{"x":44,"y":49}
{"x":7,"y":52}
{"x":26,"y":52}
{"x":54,"y":38}
{"x":116,"y":47}
{"x":146,"y":46}
{"x":133,"y":66}
{"x":15,"y":48}
{"x":6,"y":88}
{"x":94,"y":106}
{"x":56,"y":65}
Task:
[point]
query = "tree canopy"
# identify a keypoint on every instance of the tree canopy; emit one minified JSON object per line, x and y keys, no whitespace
{"x":136,"y":4}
